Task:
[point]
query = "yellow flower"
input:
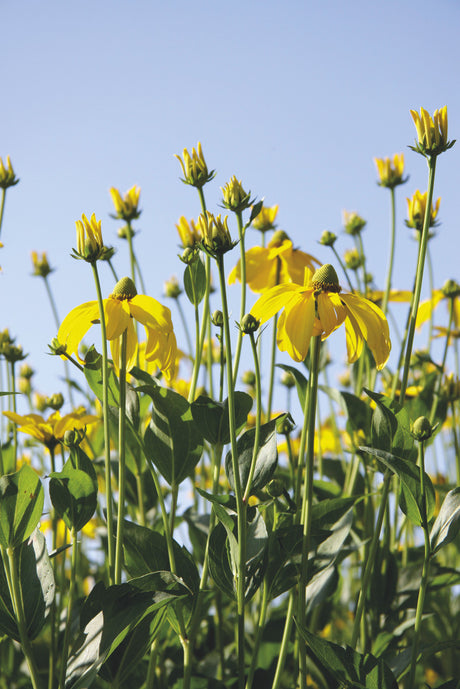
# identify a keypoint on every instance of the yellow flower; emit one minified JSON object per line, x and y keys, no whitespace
{"x":391,"y":171}
{"x":451,"y":290}
{"x":7,"y":176}
{"x":189,"y":234}
{"x":121,"y":308}
{"x":274,"y":264}
{"x":319,"y":308}
{"x":51,"y":431}
{"x":265,"y":219}
{"x":416,"y":207}
{"x":90,"y":246}
{"x":216,"y":239}
{"x":194,"y":167}
{"x":431,"y":132}
{"x":127,"y":206}
{"x":40,"y":264}
{"x":235,"y":198}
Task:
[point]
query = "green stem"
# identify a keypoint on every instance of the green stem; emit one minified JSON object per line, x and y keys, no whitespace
{"x":258,"y":638}
{"x":105,"y":412}
{"x":272,"y":368}
{"x":437,"y":390}
{"x":389,"y":277}
{"x":12,"y":574}
{"x":57,"y":323}
{"x":185,"y":326}
{"x":239,"y":342}
{"x":455,"y":437}
{"x":241,"y":505}
{"x":132,"y":262}
{"x":71,"y":598}
{"x":15,"y":429}
{"x":121,"y":460}
{"x":247,"y":490}
{"x":284,"y":643}
{"x":2,"y":208}
{"x":418,"y":277}
{"x":307,"y":498}
{"x":350,"y":286}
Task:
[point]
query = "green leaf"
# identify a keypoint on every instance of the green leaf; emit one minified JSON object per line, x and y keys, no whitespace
{"x":255,"y":210}
{"x":212,"y":417}
{"x":195,"y":282}
{"x":93,"y":375}
{"x":384,"y":423}
{"x":409,"y":474}
{"x":358,"y":412}
{"x":21,"y":506}
{"x":266,"y":458}
{"x":348,"y":667}
{"x":172,"y":440}
{"x":447,"y":523}
{"x":110,"y":615}
{"x":301,"y":383}
{"x":36,"y":580}
{"x":73,"y":493}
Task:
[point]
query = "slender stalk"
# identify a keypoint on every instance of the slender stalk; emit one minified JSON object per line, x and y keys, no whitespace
{"x":272,"y":368}
{"x":258,"y":638}
{"x":418,"y":277}
{"x":121,"y":461}
{"x":184,"y":325}
{"x":307,"y":498}
{"x":71,"y":598}
{"x":247,"y":490}
{"x":105,"y":412}
{"x":15,"y":429}
{"x":389,"y":277}
{"x":284,"y":642}
{"x":2,"y":207}
{"x":57,"y":322}
{"x":239,"y":342}
{"x":437,"y":390}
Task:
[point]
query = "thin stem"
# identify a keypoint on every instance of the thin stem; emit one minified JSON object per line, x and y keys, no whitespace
{"x":2,"y":207}
{"x":57,"y":322}
{"x":272,"y":367}
{"x":258,"y":639}
{"x":239,"y":342}
{"x":418,"y":277}
{"x":15,"y":429}
{"x":105,"y":412}
{"x":71,"y":598}
{"x":389,"y":277}
{"x":121,"y":460}
{"x":185,"y":326}
{"x":247,"y":490}
{"x":284,"y":642}
{"x":437,"y":390}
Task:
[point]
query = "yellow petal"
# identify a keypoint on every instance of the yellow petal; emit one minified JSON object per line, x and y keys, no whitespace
{"x":274,"y":300}
{"x":150,"y":312}
{"x":295,"y":326}
{"x":117,"y":317}
{"x":331,"y":312}
{"x":131,"y":348}
{"x":427,"y":307}
{"x":76,"y":324}
{"x":372,"y":324}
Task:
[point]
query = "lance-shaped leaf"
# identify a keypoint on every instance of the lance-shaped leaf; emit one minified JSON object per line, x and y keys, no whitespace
{"x":212,"y":417}
{"x":21,"y":505}
{"x":266,"y":458}
{"x":195,"y":282}
{"x":172,"y":440}
{"x":447,"y":523}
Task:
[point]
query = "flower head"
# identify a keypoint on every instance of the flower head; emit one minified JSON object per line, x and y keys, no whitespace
{"x":319,"y":307}
{"x":126,"y":206}
{"x":51,"y":431}
{"x":353,"y":222}
{"x":40,"y":264}
{"x":189,"y":234}
{"x":274,"y":264}
{"x":449,"y":292}
{"x":431,"y":132}
{"x":265,"y":219}
{"x":121,"y":308}
{"x":194,"y":167}
{"x":391,"y":172}
{"x":90,"y":246}
{"x":215,"y":235}
{"x":7,"y":176}
{"x":235,"y":198}
{"x":416,"y":208}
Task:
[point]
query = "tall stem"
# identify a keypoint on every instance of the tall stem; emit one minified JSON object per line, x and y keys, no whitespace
{"x":239,"y":342}
{"x":121,"y":460}
{"x":73,"y":574}
{"x":389,"y":277}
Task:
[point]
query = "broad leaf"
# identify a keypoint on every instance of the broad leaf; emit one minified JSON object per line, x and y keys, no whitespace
{"x":447,"y":523}
{"x":212,"y":417}
{"x":21,"y":506}
{"x":266,"y":457}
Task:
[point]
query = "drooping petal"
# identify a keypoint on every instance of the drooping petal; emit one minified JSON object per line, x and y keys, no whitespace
{"x":131,"y":347}
{"x":372,"y":324}
{"x":354,"y":338}
{"x":427,"y":307}
{"x":262,"y":272}
{"x":161,"y":350}
{"x":331,"y":312}
{"x":117,"y":317}
{"x":295,"y":263}
{"x":274,"y":300}
{"x":76,"y":324}
{"x":295,"y":326}
{"x":150,"y":312}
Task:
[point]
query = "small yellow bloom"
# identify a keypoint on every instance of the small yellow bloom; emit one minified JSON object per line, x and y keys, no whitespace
{"x":40,"y":264}
{"x":416,"y":209}
{"x":318,"y":308}
{"x":274,"y":264}
{"x":194,"y":167}
{"x":51,"y":431}
{"x":265,"y":219}
{"x":431,"y":132}
{"x":235,"y":198}
{"x":126,"y":206}
{"x":7,"y":176}
{"x":451,"y":290}
{"x":121,"y":308}
{"x":189,"y":234}
{"x":90,"y":246}
{"x":391,"y":172}
{"x":216,"y":239}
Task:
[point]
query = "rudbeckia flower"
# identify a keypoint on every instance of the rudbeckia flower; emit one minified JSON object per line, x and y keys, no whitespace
{"x":51,"y":430}
{"x":319,"y":307}
{"x":274,"y":264}
{"x":451,"y":290}
{"x":121,"y":308}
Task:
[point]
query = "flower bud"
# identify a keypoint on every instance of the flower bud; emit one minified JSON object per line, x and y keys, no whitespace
{"x":353,"y":222}
{"x":188,"y":233}
{"x":73,"y":438}
{"x":7,"y":176}
{"x":12,"y":353}
{"x":249,"y":378}
{"x":125,"y":232}
{"x":287,"y":379}
{"x":416,"y":208}
{"x":41,"y":267}
{"x":422,"y":429}
{"x":216,"y":239}
{"x":235,"y":198}
{"x":275,"y":488}
{"x":265,"y":220}
{"x":391,"y":171}
{"x":451,"y":289}
{"x":217,"y":318}
{"x":57,"y":348}
{"x":249,"y":324}
{"x":352,"y":259}
{"x":328,"y":238}
{"x":431,"y":132}
{"x":172,"y":288}
{"x":126,"y":206}
{"x":90,"y":246}
{"x":55,"y":402}
{"x":194,"y":168}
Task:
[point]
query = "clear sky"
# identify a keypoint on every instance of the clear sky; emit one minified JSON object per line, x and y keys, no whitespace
{"x":295,"y":98}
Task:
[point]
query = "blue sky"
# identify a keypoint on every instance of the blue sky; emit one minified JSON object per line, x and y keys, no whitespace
{"x":294,"y":98}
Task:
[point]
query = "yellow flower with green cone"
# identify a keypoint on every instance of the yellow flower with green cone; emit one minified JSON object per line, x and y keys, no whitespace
{"x":121,"y":308}
{"x":318,"y":307}
{"x":51,"y":431}
{"x":274,"y":264}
